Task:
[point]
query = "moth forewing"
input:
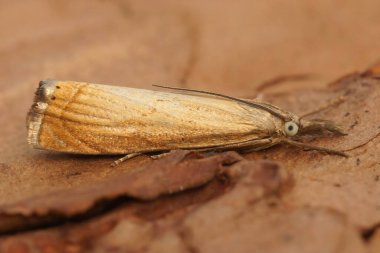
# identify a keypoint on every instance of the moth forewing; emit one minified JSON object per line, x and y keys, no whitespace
{"x":87,"y":118}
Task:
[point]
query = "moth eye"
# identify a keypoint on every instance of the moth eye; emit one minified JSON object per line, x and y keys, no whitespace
{"x":291,"y":128}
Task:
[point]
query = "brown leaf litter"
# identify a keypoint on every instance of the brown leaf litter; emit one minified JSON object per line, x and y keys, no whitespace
{"x":305,"y":201}
{"x":190,"y":202}
{"x":178,"y":171}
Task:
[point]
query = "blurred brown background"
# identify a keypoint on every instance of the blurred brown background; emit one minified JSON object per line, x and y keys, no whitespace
{"x":224,"y":46}
{"x":221,"y":45}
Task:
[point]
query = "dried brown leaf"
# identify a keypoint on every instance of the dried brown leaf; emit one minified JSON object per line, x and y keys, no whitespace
{"x":133,"y":226}
{"x":177,"y":171}
{"x":349,"y":185}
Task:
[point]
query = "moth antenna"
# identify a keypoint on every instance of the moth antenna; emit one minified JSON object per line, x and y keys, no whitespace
{"x":336,"y":101}
{"x":312,"y":147}
{"x":252,"y":104}
{"x":364,"y":143}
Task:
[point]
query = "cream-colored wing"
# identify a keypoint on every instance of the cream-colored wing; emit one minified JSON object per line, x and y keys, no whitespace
{"x":98,"y":119}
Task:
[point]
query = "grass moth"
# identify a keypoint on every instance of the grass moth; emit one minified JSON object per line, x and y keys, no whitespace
{"x":86,"y":118}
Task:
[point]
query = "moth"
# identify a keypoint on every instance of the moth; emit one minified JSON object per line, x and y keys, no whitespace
{"x":86,"y":118}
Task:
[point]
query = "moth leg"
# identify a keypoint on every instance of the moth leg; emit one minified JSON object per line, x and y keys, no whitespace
{"x":124,"y":158}
{"x":312,"y":147}
{"x":159,"y":156}
{"x":253,"y":145}
{"x":245,"y":150}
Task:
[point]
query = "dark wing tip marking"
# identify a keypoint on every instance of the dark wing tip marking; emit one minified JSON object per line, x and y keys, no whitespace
{"x":45,"y":90}
{"x":43,"y":95}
